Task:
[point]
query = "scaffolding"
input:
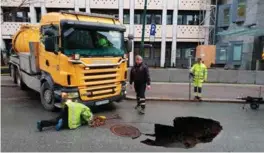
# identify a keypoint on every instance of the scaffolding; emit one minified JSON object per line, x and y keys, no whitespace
{"x":207,"y":22}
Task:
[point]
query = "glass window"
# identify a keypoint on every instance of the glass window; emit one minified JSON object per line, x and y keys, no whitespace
{"x":189,"y":19}
{"x":196,"y":20}
{"x":187,"y":52}
{"x":226,"y":16}
{"x":178,"y":53}
{"x":241,"y":8}
{"x":148,"y":19}
{"x":223,"y":54}
{"x":157,"y":19}
{"x":147,"y":53}
{"x":126,"y":19}
{"x":137,"y":19}
{"x":169,"y":19}
{"x":157,"y":52}
{"x":93,"y":42}
{"x":180,"y":20}
{"x":237,"y":50}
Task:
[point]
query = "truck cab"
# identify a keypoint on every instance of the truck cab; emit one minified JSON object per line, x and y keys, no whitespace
{"x":78,"y":53}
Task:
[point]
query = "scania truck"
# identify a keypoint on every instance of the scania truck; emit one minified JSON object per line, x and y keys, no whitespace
{"x":81,"y":54}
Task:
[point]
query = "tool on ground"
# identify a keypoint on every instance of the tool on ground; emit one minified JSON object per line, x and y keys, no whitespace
{"x":100,"y":120}
{"x":254,"y":102}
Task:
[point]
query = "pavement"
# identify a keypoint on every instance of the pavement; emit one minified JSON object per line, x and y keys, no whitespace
{"x":243,"y":130}
{"x":212,"y":92}
{"x":161,"y":91}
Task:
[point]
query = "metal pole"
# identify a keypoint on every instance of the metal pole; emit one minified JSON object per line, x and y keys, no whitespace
{"x":190,"y":82}
{"x":143,"y":29}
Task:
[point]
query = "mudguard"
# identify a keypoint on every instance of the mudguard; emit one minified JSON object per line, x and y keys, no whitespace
{"x":46,"y":77}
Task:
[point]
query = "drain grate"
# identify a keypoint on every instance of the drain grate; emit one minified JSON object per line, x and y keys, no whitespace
{"x":125,"y":131}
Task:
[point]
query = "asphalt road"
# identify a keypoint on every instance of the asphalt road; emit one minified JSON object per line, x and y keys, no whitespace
{"x":20,"y":110}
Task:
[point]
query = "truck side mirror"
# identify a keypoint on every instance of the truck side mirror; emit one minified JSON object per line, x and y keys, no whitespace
{"x":129,"y":43}
{"x":50,"y":45}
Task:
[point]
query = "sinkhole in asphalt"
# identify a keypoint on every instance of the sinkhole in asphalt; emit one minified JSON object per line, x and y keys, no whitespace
{"x":188,"y":131}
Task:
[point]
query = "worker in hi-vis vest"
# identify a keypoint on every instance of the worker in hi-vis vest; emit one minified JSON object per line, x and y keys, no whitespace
{"x":199,"y":74}
{"x":72,"y":116}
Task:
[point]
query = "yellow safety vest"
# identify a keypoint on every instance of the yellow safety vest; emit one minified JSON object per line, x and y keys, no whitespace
{"x":77,"y":114}
{"x":199,"y":71}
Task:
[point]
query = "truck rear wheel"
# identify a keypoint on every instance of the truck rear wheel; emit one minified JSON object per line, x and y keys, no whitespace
{"x":47,"y":97}
{"x":20,"y":81}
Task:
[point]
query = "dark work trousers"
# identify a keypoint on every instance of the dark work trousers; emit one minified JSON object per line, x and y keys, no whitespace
{"x":140,"y":89}
{"x":52,"y":122}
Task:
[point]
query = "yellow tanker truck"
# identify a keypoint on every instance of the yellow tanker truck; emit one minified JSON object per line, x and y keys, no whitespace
{"x":78,"y":53}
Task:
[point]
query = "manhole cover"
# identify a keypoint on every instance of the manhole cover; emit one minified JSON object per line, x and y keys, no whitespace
{"x":125,"y":131}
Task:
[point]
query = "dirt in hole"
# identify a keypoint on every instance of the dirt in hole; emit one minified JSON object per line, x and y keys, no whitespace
{"x":186,"y":131}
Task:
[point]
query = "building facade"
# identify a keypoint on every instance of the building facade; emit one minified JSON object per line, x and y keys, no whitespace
{"x":240,"y":36}
{"x":181,"y":25}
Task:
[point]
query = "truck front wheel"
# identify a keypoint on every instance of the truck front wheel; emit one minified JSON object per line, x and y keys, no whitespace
{"x":47,"y":97}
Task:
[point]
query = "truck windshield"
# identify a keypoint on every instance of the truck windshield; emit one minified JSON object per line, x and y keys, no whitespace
{"x":89,"y":43}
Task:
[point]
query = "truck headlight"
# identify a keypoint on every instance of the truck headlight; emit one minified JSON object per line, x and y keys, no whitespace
{"x":73,"y":95}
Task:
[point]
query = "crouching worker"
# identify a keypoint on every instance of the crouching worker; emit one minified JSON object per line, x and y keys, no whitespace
{"x":72,"y":116}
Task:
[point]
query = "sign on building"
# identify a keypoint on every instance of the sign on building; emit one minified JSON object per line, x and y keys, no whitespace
{"x":152,"y":33}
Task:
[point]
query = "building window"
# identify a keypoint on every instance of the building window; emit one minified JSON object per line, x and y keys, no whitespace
{"x":237,"y":51}
{"x":147,"y":53}
{"x":126,"y":19}
{"x":157,"y":19}
{"x":239,"y":10}
{"x":16,"y":15}
{"x":169,"y":19}
{"x":226,"y":15}
{"x":189,"y":20}
{"x":148,"y":19}
{"x":157,"y":52}
{"x":180,"y":19}
{"x":223,"y":54}
{"x":137,"y":19}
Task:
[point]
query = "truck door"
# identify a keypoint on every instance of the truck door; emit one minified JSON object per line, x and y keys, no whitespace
{"x":49,"y":59}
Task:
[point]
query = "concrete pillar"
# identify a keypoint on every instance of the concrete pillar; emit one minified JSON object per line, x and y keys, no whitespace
{"x":33,"y":14}
{"x":121,"y":10}
{"x":207,"y":23}
{"x":131,"y":30}
{"x":2,"y":43}
{"x":174,"y":33}
{"x":43,"y":8}
{"x":87,"y":6}
{"x":76,"y":5}
{"x":163,"y":36}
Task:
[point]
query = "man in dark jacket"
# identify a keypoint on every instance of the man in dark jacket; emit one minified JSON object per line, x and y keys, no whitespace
{"x":139,"y":75}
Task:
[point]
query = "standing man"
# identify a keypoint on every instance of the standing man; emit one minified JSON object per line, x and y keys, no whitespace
{"x":199,"y":73}
{"x":139,"y":75}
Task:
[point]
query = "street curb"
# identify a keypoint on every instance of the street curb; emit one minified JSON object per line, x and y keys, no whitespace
{"x":187,"y":100}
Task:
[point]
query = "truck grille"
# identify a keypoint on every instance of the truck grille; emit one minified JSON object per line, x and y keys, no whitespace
{"x":100,"y":82}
